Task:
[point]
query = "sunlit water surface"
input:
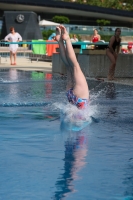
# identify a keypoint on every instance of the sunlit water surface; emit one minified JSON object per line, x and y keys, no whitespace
{"x":39,"y":160}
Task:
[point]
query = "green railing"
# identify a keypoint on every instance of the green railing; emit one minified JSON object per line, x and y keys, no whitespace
{"x":2,"y":44}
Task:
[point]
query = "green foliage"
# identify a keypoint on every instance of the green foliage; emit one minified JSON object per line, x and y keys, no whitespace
{"x":46,"y":34}
{"x":106,"y":38}
{"x":61,"y":19}
{"x":102,"y":22}
{"x":116,"y":4}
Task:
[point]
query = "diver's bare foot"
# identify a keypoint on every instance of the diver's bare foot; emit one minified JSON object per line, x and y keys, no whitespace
{"x":64,"y":33}
{"x":58,"y":34}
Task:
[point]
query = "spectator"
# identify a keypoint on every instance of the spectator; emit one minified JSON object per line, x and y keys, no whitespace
{"x":130,"y":47}
{"x":52,"y":36}
{"x":74,"y":38}
{"x":112,"y":52}
{"x":95,"y":37}
{"x":13,"y":37}
{"x":51,"y":48}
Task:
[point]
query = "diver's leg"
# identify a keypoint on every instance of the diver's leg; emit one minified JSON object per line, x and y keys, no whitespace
{"x":70,"y":82}
{"x":81,"y":87}
{"x":11,"y":55}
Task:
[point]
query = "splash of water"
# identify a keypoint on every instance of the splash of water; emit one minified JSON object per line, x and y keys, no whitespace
{"x":71,"y":114}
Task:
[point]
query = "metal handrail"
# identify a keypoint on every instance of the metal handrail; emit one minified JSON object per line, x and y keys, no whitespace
{"x":73,"y":43}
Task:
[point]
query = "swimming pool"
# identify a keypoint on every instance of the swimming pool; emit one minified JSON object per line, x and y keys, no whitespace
{"x":40,"y":161}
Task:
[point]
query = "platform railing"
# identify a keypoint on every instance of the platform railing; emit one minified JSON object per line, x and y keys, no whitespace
{"x":26,"y":48}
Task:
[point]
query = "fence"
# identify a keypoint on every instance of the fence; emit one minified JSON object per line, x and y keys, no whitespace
{"x":43,"y":50}
{"x":88,"y":30}
{"x":102,"y":30}
{"x":38,"y":50}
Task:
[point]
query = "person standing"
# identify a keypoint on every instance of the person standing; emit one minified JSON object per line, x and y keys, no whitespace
{"x":13,"y":37}
{"x":112,"y":52}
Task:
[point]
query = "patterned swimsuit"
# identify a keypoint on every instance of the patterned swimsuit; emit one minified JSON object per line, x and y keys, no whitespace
{"x":79,"y":102}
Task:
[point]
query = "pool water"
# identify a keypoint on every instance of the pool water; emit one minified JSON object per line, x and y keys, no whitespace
{"x":39,"y":160}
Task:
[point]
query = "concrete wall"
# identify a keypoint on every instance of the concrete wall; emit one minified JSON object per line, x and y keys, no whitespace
{"x":97,"y":65}
{"x":23,"y":25}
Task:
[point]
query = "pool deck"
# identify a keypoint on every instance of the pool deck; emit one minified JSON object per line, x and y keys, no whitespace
{"x":25,"y":64}
{"x":123,"y":81}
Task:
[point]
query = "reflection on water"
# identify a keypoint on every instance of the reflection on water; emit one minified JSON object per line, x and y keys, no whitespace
{"x":112,"y":112}
{"x":13,"y":73}
{"x":48,"y":85}
{"x":128,"y":181}
{"x":18,"y":88}
{"x":40,"y":161}
{"x":110,"y":91}
{"x":13,"y":88}
{"x":76,"y":147}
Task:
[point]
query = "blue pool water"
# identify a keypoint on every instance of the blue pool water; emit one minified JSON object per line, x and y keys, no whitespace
{"x":39,"y":160}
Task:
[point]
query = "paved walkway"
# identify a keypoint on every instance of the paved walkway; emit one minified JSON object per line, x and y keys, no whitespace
{"x":23,"y":63}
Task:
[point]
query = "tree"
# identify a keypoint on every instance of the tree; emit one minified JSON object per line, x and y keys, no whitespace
{"x":115,"y":4}
{"x":47,"y":33}
{"x":102,"y":22}
{"x":61,"y":19}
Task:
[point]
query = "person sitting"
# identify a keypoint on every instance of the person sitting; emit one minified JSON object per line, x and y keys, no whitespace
{"x":77,"y":87}
{"x":95,"y":37}
{"x":130,"y":47}
{"x":74,"y":38}
{"x":51,"y":48}
{"x":52,"y":36}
